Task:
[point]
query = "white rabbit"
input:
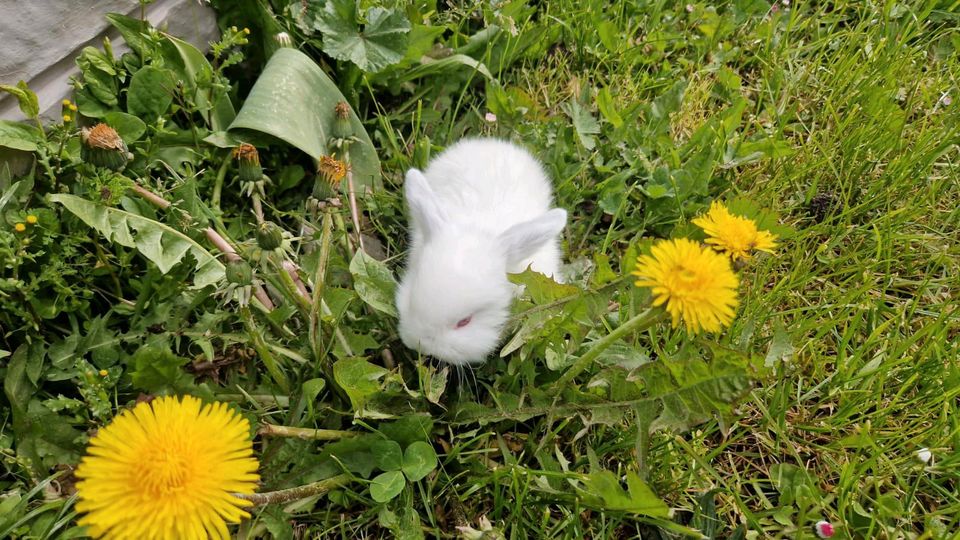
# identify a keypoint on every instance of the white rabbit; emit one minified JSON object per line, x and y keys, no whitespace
{"x":479,"y":211}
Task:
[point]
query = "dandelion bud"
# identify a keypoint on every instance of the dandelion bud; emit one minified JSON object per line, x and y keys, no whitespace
{"x":341,"y":123}
{"x":283,"y":39}
{"x":239,"y":272}
{"x":103,"y":147}
{"x":269,"y":236}
{"x":250,"y":169}
{"x":332,"y":169}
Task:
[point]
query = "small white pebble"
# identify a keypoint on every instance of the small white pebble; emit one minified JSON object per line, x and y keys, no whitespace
{"x":490,"y":117}
{"x":924,"y":455}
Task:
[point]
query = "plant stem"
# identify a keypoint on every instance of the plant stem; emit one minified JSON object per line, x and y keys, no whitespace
{"x":352,"y":198}
{"x":273,"y":368}
{"x":318,"y":283}
{"x":297,"y":493}
{"x":638,"y":323}
{"x":218,"y":186}
{"x":273,"y":430}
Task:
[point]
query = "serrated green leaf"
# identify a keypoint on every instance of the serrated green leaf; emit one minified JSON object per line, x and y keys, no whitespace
{"x":388,"y":454}
{"x":418,"y":460}
{"x":293,"y":100}
{"x":374,"y":283}
{"x":156,"y":370}
{"x":150,"y":93}
{"x":358,"y":378}
{"x":162,"y":245}
{"x":584,"y":123}
{"x":603,"y":489}
{"x":386,"y":486}
{"x":381,"y":42}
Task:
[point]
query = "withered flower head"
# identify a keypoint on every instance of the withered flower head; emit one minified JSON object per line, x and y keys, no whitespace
{"x":250,"y":169}
{"x":341,"y":123}
{"x":103,"y":147}
{"x":332,"y":169}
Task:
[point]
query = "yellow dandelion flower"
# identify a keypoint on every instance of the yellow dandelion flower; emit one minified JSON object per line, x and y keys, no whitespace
{"x":736,"y":236}
{"x":332,"y":169}
{"x":104,"y":373}
{"x":66,"y":102}
{"x":167,"y":469}
{"x":72,"y":107}
{"x":696,"y":284}
{"x":67,"y":118}
{"x":19,"y":227}
{"x":32,"y":219}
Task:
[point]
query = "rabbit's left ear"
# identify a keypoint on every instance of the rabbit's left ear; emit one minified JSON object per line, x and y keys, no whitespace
{"x":524,"y":239}
{"x":423,"y":203}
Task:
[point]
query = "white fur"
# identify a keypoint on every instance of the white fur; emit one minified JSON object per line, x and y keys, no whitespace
{"x":479,"y":211}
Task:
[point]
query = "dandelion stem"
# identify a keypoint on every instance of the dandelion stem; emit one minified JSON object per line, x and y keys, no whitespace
{"x":319,"y":279}
{"x":269,"y":361}
{"x":273,"y":430}
{"x":638,"y":323}
{"x":218,"y":186}
{"x":352,"y":197}
{"x":219,"y":241}
{"x":297,"y":493}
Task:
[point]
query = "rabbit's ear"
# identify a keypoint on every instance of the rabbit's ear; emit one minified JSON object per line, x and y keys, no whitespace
{"x":524,"y":239}
{"x":423,"y":203}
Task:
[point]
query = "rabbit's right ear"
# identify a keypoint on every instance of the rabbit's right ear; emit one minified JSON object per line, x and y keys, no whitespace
{"x":423,"y":203}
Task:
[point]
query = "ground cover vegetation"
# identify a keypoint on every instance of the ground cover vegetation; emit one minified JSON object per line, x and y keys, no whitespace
{"x":758,"y":335}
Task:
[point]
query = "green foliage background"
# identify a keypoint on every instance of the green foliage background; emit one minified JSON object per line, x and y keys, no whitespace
{"x":842,"y":363}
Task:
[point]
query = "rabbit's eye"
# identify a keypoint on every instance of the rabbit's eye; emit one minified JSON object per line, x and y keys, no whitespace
{"x":464,"y":321}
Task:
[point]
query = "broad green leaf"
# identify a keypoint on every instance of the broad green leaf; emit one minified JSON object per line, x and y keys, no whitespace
{"x":99,"y":77}
{"x":388,"y":454}
{"x":132,"y":30}
{"x":150,"y":93}
{"x":418,"y":460}
{"x":603,"y":489}
{"x":19,"y":136}
{"x":386,"y":486}
{"x":374,"y":283}
{"x":358,"y":378}
{"x":156,"y":369}
{"x":354,"y":454}
{"x":162,"y":245}
{"x":607,"y":109}
{"x":408,"y":429}
{"x":16,"y":384}
{"x":381,"y":42}
{"x":128,"y":126}
{"x":217,"y":110}
{"x":25,"y":98}
{"x":293,"y":100}
{"x":584,"y":123}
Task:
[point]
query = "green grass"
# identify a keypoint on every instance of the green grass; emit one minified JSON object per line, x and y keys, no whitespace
{"x":867,"y":372}
{"x":852,"y":328}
